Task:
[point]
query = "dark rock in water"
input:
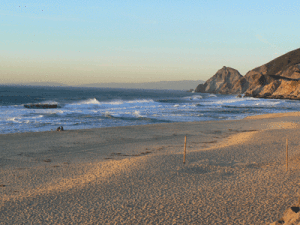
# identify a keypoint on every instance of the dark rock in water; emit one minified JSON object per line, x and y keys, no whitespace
{"x":41,"y":106}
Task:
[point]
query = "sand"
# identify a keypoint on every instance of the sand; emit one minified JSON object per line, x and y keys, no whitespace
{"x":235,"y":173}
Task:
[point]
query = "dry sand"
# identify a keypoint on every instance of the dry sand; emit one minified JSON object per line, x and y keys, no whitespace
{"x":234,"y":173}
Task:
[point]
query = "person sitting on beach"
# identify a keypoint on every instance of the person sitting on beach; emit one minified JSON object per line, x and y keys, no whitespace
{"x":61,"y":128}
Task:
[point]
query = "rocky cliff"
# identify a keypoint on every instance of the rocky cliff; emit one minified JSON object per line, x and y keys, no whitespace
{"x":222,"y":82}
{"x":279,"y":78}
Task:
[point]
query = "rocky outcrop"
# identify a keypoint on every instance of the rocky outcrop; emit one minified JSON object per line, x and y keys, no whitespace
{"x":276,"y":79}
{"x":280,"y":78}
{"x":41,"y":106}
{"x":222,"y":82}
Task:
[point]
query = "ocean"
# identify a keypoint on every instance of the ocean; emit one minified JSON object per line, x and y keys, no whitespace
{"x":85,"y":108}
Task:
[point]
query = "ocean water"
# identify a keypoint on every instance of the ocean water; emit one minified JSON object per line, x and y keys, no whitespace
{"x":84,"y":108}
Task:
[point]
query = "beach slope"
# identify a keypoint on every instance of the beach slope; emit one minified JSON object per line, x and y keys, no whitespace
{"x":235,"y":173}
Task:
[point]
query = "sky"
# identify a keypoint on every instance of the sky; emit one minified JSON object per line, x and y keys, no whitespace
{"x":80,"y":42}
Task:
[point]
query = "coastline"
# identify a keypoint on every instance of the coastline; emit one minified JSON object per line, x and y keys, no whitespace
{"x":234,"y":174}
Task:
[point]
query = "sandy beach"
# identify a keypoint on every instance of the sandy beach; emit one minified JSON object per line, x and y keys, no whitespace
{"x":235,"y":173}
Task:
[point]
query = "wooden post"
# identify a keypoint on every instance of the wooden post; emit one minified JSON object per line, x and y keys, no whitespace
{"x":184,"y":153}
{"x":287,"y":155}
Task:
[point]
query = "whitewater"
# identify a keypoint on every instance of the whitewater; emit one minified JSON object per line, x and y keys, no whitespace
{"x":85,"y":108}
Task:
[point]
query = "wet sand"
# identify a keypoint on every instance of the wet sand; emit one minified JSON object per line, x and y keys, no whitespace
{"x":235,"y":173}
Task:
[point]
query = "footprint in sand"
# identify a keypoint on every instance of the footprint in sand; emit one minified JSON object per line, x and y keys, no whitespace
{"x":121,"y":154}
{"x":47,"y":160}
{"x":208,"y":142}
{"x":145,"y":153}
{"x":118,"y":153}
{"x":161,"y":148}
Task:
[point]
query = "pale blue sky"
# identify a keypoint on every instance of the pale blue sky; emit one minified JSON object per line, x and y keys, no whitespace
{"x":77,"y":42}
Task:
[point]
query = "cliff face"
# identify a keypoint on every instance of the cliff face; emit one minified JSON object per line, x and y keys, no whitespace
{"x":279,"y":78}
{"x":276,"y":79}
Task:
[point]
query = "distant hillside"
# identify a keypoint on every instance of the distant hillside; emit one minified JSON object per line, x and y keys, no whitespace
{"x":173,"y":85}
{"x":52,"y":84}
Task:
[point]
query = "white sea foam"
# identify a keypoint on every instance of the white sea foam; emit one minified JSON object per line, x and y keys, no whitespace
{"x":107,"y":114}
{"x":59,"y":111}
{"x":15,"y":119}
{"x":116,"y":102}
{"x":94,"y":101}
{"x":37,"y":117}
{"x":197,"y":97}
{"x":91,"y":101}
{"x":267,"y":103}
{"x":11,"y":119}
{"x":227,"y":101}
{"x":193,"y":97}
{"x":137,"y":113}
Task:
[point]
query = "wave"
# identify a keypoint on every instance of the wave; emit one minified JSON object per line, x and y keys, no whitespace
{"x":228,"y":101}
{"x":108,"y":114}
{"x":268,"y":103}
{"x":170,"y":100}
{"x":19,"y":120}
{"x":193,"y":97}
{"x":91,"y":101}
{"x":137,"y":113}
{"x":139,"y":118}
{"x":14,"y":119}
{"x":197,"y":97}
{"x":94,"y":101}
{"x":95,"y":108}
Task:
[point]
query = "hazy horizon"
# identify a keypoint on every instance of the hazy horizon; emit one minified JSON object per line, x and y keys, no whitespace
{"x":174,"y":85}
{"x":136,"y":42}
